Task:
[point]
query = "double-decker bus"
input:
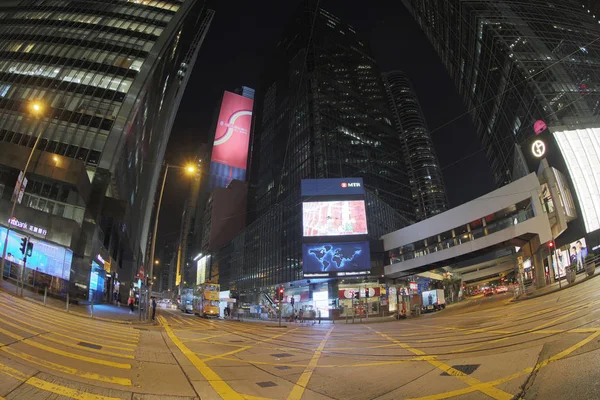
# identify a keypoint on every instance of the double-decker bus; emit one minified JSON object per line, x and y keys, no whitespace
{"x":206,"y":300}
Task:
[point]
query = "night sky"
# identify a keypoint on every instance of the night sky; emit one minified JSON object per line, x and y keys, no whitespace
{"x":242,"y":34}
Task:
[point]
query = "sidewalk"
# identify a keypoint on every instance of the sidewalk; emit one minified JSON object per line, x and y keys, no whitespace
{"x":555,"y":287}
{"x":102,"y":312}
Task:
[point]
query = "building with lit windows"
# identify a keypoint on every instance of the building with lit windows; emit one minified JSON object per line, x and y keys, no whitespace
{"x":516,"y":62}
{"x":110,"y":75}
{"x":428,"y":192}
{"x":321,"y":111}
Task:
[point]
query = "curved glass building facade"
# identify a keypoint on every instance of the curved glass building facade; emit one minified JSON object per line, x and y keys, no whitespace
{"x":515,"y":62}
{"x":110,"y":75}
{"x":429,"y":195}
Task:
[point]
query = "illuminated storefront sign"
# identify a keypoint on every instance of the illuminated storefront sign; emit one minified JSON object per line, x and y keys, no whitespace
{"x":538,"y":148}
{"x":332,"y":187}
{"x":27,"y":227}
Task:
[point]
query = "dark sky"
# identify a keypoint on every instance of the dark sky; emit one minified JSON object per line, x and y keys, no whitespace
{"x":243,"y":32}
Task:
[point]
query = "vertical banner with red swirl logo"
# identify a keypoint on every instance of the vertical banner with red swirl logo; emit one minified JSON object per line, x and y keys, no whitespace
{"x":232,"y":139}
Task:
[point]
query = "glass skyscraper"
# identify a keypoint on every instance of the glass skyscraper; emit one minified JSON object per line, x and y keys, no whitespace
{"x":515,"y":62}
{"x":323,"y":113}
{"x":428,"y":192}
{"x":110,"y":75}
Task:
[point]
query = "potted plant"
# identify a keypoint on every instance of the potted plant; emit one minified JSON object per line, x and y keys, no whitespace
{"x":590,"y":265}
{"x":571,"y":271}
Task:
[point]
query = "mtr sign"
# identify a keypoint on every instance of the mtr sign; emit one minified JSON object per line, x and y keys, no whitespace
{"x":350,"y":185}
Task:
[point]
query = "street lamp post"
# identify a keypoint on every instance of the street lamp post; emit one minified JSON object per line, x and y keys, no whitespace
{"x":36,"y":109}
{"x":189,"y":169}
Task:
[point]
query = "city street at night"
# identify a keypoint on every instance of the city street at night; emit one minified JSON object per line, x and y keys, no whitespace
{"x":485,"y":347}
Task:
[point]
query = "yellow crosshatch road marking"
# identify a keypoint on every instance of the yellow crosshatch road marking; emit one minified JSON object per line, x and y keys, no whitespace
{"x":489,"y":390}
{"x":65,"y":369}
{"x":217,"y":383}
{"x":300,"y":386}
{"x":541,"y":364}
{"x":51,"y":387}
{"x":70,"y":327}
{"x":71,"y":337}
{"x":76,"y":356}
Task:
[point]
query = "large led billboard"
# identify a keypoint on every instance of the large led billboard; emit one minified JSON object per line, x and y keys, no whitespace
{"x":332,"y":187}
{"x":232,"y":138}
{"x":336,"y":259}
{"x":580,"y":149}
{"x":334,"y":218}
{"x":202,"y":266}
{"x":47,"y":258}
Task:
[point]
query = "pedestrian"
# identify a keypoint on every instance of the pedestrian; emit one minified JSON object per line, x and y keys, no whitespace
{"x":115,"y":298}
{"x":153,"y":307}
{"x":319,"y":315}
{"x":119,"y":299}
{"x":130,"y":302}
{"x":301,"y":315}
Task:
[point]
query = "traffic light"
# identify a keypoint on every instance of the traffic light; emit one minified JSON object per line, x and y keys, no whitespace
{"x":281,"y":291}
{"x":29,"y":249}
{"x":23,"y":246}
{"x":551,"y":245}
{"x":366,"y":293}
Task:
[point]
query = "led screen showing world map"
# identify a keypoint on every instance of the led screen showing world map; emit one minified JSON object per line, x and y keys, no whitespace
{"x":334,"y":218}
{"x":336,"y":259}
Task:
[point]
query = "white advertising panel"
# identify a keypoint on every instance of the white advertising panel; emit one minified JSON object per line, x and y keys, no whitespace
{"x":334,"y":218}
{"x":581,"y":150}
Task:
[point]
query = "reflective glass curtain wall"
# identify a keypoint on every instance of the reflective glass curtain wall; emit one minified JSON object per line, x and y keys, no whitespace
{"x":515,"y":62}
{"x":111,"y":74}
{"x":428,"y":192}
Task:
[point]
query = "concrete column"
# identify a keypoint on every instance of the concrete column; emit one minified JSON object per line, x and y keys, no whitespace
{"x":540,"y":275}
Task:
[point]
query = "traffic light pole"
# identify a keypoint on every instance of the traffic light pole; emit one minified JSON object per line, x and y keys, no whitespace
{"x":280,"y":313}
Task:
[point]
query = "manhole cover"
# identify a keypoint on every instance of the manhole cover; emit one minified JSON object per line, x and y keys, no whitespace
{"x":281,"y":355}
{"x":283,"y":367}
{"x":90,"y":345}
{"x":466,"y":369}
{"x":266,"y":384}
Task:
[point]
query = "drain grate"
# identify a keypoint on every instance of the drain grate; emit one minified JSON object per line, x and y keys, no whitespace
{"x":281,"y":355}
{"x":90,"y":345}
{"x":283,"y":367}
{"x":466,"y":369}
{"x":266,"y":384}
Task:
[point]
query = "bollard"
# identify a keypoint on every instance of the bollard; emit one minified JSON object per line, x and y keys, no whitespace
{"x":45,"y":294}
{"x":67,"y":302}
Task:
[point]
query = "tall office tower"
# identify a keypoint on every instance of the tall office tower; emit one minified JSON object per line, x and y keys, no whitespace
{"x":323,"y":113}
{"x":110,"y":76}
{"x":428,"y":192}
{"x":515,"y":62}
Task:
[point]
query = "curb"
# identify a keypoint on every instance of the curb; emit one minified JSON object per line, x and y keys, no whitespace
{"x":567,"y":286}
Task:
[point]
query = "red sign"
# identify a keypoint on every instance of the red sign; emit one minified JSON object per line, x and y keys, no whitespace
{"x":232,"y":135}
{"x":413,"y":286}
{"x":349,"y":293}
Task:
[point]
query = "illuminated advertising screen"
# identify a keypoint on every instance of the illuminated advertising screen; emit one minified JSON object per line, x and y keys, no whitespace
{"x":202,"y":266}
{"x":336,"y":259}
{"x":332,"y":187}
{"x":578,"y":251}
{"x":47,"y":258}
{"x":232,"y":138}
{"x":334,"y":218}
{"x":580,"y":149}
{"x":429,"y":298}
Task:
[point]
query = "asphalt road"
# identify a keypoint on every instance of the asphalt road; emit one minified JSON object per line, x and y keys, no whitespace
{"x":544,"y":348}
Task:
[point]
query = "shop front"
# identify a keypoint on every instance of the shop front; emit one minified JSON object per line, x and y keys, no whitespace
{"x":354,"y":301}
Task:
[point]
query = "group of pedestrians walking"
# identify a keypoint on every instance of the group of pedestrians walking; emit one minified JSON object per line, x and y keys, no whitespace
{"x":298,"y":316}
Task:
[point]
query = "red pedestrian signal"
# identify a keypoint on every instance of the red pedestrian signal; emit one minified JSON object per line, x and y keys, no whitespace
{"x":551,"y":245}
{"x":281,"y":291}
